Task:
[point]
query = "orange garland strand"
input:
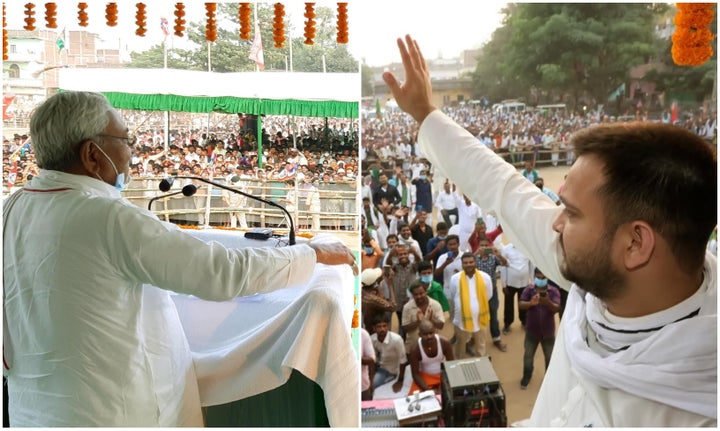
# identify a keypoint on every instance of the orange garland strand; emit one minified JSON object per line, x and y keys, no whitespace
{"x":82,"y":14}
{"x":309,"y":24}
{"x":111,"y":14}
{"x":279,"y":25}
{"x":342,"y":23}
{"x":179,"y":21}
{"x":51,"y":15}
{"x":244,"y":15}
{"x":692,"y":39}
{"x":5,"y":36}
{"x":140,"y":19}
{"x":29,"y":14}
{"x":211,"y":26}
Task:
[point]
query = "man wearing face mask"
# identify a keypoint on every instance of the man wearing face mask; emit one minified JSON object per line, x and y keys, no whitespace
{"x":541,"y":301}
{"x":88,"y":340}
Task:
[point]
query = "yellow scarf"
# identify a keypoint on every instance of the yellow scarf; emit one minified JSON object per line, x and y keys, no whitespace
{"x":481,"y":292}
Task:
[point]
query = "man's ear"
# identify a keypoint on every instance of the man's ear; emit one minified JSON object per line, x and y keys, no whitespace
{"x":639,"y":241}
{"x":90,"y":157}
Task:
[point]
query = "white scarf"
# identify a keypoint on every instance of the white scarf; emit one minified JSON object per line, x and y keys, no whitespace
{"x":675,"y":365}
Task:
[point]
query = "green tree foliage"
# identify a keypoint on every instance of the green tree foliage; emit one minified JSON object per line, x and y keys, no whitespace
{"x":230,"y":53}
{"x":555,"y":48}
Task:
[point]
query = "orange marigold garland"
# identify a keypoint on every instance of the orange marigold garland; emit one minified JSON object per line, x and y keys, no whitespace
{"x":279,"y":25}
{"x":342,"y":23}
{"x":111,"y":14}
{"x":140,"y":19}
{"x":310,"y":23}
{"x":179,"y":26}
{"x":5,"y":36}
{"x":692,"y":39}
{"x":51,"y":15}
{"x":82,"y":14}
{"x":29,"y":17}
{"x":244,"y":15}
{"x":211,"y":26}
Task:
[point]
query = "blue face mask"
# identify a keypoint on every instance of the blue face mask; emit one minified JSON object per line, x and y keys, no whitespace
{"x":540,"y":282}
{"x":368,"y":250}
{"x":426,"y":278}
{"x":120,"y":180}
{"x":422,"y":177}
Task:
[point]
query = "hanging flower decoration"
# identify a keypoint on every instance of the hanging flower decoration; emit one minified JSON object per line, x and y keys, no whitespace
{"x":692,"y":39}
{"x":279,"y":25}
{"x":211,"y":26}
{"x":342,"y":23}
{"x":5,"y":36}
{"x":244,"y":15}
{"x":29,"y":17}
{"x":82,"y":14}
{"x":111,"y":12}
{"x":51,"y":15}
{"x":310,"y":23}
{"x":179,"y":21}
{"x":140,"y":19}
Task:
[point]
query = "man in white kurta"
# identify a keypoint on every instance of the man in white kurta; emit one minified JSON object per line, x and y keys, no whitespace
{"x":656,"y":369}
{"x":475,"y":331}
{"x":87,"y":341}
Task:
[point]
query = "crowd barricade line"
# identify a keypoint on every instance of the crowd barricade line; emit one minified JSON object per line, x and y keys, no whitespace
{"x":338,"y":205}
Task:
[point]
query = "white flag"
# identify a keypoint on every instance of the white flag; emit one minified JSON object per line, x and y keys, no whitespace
{"x":256,"y":50}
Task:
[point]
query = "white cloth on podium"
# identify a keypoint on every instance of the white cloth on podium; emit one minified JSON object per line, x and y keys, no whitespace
{"x":250,"y":345}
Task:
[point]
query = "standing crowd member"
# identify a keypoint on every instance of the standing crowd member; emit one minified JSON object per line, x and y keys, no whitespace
{"x":541,"y":301}
{"x":470,"y":292}
{"x":637,"y":345}
{"x":88,"y":340}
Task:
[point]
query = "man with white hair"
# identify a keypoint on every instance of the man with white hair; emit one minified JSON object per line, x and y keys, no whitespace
{"x":88,"y":340}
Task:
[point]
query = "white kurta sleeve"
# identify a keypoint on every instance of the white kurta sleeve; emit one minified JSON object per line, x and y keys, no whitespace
{"x":525,"y":212}
{"x":149,"y":251}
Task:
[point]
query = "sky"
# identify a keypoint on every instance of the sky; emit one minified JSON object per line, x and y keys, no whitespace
{"x":442,"y":28}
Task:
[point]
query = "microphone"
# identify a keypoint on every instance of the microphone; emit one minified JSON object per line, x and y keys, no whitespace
{"x":187,"y":191}
{"x":166,"y":183}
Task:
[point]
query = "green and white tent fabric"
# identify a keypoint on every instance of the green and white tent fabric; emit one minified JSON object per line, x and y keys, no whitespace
{"x":258,"y":93}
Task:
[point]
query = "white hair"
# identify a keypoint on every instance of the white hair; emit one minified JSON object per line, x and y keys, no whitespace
{"x":60,"y":124}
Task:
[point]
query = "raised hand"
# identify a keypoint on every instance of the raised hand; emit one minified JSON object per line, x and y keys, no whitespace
{"x":414,"y":96}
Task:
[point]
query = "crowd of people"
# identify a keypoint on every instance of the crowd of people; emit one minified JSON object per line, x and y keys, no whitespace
{"x":316,"y":153}
{"x":420,"y":232}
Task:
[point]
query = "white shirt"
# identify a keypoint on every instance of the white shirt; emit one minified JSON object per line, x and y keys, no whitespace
{"x":474,"y":302}
{"x":517,"y":272}
{"x":390,"y":352}
{"x":669,"y":378}
{"x":446,"y":201}
{"x":89,"y":342}
{"x":367,"y":352}
{"x":449,"y":271}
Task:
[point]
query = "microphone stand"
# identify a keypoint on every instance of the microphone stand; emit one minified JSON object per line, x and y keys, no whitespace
{"x":162,"y":196}
{"x":291,"y":236}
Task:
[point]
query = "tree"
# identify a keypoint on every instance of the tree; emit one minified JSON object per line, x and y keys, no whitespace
{"x":582,"y":49}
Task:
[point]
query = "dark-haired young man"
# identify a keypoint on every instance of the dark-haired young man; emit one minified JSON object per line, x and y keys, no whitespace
{"x":638,"y":342}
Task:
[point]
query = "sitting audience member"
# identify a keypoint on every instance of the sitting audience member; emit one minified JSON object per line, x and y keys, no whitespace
{"x":541,"y":301}
{"x":391,"y":358}
{"x":427,"y":354}
{"x":368,"y":362}
{"x":418,"y":308}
